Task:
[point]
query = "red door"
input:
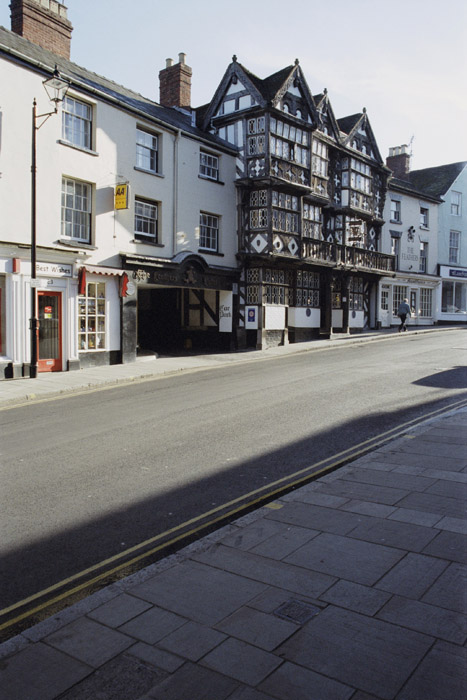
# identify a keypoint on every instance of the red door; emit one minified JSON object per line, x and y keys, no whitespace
{"x":50,"y":332}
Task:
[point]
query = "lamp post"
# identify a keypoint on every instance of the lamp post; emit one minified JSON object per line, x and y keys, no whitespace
{"x":56,"y":89}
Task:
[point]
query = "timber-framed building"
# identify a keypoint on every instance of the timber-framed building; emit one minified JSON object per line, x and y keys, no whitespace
{"x":310,"y":198}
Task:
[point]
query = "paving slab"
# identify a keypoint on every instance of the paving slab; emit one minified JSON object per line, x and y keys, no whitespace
{"x":450,"y":589}
{"x":152,"y":625}
{"x":354,"y":596}
{"x":267,"y":571}
{"x":343,"y":557}
{"x":364,"y":492}
{"x":192,"y":641}
{"x":442,"y":675}
{"x":413,"y":575}
{"x":448,"y":545}
{"x":368,"y":654}
{"x":429,"y":619}
{"x":258,"y":628}
{"x":39,"y":672}
{"x":433,"y":503}
{"x":241,"y":661}
{"x":200,"y":593}
{"x":381,"y":478}
{"x":317,"y":517}
{"x":119,"y":610}
{"x":89,"y":642}
{"x":291,"y":681}
{"x":395,"y":534}
{"x":193,"y":682}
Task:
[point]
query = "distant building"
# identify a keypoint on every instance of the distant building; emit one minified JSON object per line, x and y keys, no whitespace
{"x":426,"y":230}
{"x":311,"y":193}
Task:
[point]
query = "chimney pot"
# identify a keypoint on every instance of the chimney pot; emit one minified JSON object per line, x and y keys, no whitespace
{"x":399,"y":161}
{"x":181,"y":57}
{"x":169,"y":62}
{"x":175,"y":84}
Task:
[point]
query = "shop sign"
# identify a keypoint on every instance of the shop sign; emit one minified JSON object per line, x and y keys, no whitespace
{"x":121,"y":196}
{"x":458,"y":273}
{"x":53,"y":270}
{"x":251,"y":317}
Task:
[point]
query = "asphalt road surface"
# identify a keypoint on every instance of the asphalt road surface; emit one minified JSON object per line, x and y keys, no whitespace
{"x":87,"y":477}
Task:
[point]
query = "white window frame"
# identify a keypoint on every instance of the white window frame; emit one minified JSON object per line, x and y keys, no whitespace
{"x":454,"y":247}
{"x":92,"y":318}
{"x":426,"y":302}
{"x":76,"y":210}
{"x":147,"y":150}
{"x":456,"y":203}
{"x":77,"y":119}
{"x":423,"y":259}
{"x":424,"y":217}
{"x":395,"y":213}
{"x":209,"y":232}
{"x":146,"y":221}
{"x":209,"y":165}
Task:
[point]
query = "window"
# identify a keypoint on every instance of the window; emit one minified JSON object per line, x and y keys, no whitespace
{"x":286,"y":221}
{"x":454,"y":297}
{"x":91,"y":317}
{"x":147,"y":151}
{"x":456,"y":202}
{"x":399,"y":294}
{"x":208,"y":231}
{"x":395,"y":210}
{"x":426,"y":302}
{"x":208,"y":166}
{"x":396,"y":249}
{"x":423,"y":256}
{"x":424,"y":217}
{"x":307,"y":291}
{"x":384,"y":299}
{"x":311,"y":221}
{"x":76,"y":210}
{"x":146,"y":217}
{"x":77,"y":122}
{"x":275,"y":287}
{"x":356,"y":294}
{"x":454,"y":242}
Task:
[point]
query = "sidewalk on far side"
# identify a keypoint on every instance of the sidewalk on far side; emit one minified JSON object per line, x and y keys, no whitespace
{"x":48,"y":384}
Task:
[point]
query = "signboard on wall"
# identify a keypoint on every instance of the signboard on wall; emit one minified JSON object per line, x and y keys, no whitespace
{"x":122,"y":196}
{"x":225,"y":311}
{"x":251,"y":317}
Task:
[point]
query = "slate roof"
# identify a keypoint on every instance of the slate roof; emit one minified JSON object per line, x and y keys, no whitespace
{"x":436,"y":181}
{"x":268,"y":87}
{"x":28,"y":53}
{"x":407,"y":187}
{"x":346,"y":124}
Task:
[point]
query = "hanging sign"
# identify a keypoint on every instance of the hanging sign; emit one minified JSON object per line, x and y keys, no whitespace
{"x":122,"y":196}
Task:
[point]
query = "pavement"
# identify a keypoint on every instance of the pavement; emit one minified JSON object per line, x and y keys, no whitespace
{"x":349,"y":588}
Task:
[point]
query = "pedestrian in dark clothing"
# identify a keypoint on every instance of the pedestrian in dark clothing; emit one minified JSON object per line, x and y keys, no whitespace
{"x":403,"y":311}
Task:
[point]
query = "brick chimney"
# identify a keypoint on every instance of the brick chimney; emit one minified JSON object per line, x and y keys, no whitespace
{"x":44,"y":22}
{"x":399,"y":161}
{"x":175,"y":84}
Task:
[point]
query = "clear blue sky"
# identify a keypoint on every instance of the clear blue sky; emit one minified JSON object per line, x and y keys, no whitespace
{"x":404,"y":60}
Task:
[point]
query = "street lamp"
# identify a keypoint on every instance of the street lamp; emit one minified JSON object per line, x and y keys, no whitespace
{"x":56,"y":89}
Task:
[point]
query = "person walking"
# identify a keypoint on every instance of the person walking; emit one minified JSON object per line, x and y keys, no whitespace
{"x":403,"y":311}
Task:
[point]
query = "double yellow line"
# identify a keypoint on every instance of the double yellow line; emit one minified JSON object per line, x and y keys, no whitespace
{"x":213,"y":516}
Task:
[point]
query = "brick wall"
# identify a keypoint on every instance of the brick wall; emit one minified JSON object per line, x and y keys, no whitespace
{"x":44,"y":22}
{"x":175,"y":84}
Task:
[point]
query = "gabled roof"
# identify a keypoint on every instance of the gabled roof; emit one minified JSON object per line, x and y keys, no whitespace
{"x":266,"y":92}
{"x":29,"y":54}
{"x":437,"y":181}
{"x":355,"y":122}
{"x":322,"y":103}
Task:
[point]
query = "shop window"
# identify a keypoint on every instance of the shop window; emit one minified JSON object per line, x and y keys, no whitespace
{"x":399,"y":294}
{"x":426,"y":296}
{"x":2,"y":314}
{"x":92,"y":317}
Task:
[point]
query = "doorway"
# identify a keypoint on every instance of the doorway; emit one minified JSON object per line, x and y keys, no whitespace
{"x":49,"y":345}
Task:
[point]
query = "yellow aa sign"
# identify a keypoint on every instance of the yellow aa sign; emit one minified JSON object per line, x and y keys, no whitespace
{"x":121,"y":196}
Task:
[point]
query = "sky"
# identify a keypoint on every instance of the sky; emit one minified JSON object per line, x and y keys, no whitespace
{"x":404,"y":60}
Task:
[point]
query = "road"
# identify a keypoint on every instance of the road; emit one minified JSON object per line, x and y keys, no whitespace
{"x":87,"y":477}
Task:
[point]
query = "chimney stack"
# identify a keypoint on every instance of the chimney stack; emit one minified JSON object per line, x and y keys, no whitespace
{"x":44,"y":22}
{"x":175,"y":84}
{"x":399,"y":161}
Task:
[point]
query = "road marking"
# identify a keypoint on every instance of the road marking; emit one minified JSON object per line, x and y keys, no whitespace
{"x":277,"y":487}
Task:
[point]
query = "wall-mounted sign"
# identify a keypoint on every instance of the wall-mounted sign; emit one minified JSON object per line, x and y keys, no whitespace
{"x":225,"y":311}
{"x":251,"y":317}
{"x":53,"y":270}
{"x":122,"y":197}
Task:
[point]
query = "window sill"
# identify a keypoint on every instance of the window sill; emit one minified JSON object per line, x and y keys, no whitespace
{"x":148,"y":172}
{"x":211,"y":179}
{"x":395,"y":221}
{"x":76,"y":244}
{"x":151,"y":243}
{"x":205,"y":251}
{"x":69,"y":144}
{"x":424,"y":228}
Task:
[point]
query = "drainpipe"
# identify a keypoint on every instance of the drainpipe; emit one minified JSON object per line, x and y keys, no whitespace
{"x":175,"y":192}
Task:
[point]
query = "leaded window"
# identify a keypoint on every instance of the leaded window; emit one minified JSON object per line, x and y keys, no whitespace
{"x":307,"y":289}
{"x":356,"y":293}
{"x":312,"y":221}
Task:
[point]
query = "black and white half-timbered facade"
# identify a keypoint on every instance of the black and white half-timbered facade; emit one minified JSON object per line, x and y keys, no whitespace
{"x":310,"y":198}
